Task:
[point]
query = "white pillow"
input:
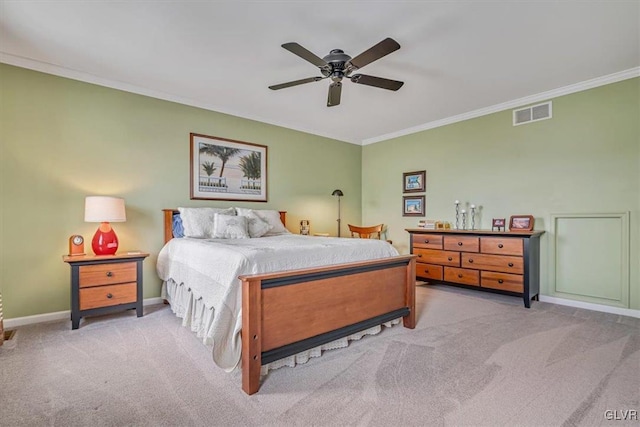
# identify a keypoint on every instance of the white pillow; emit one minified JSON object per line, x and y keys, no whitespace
{"x":256,"y":225}
{"x":198,"y":222}
{"x":272,"y":217}
{"x":230,"y":227}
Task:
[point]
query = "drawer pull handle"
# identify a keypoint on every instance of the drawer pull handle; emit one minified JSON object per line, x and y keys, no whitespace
{"x":450,"y":259}
{"x":501,"y":246}
{"x":109,"y":296}
{"x":510,"y":264}
{"x":459,"y":243}
{"x":426,"y":271}
{"x":426,"y":241}
{"x":470,"y":261}
{"x":459,"y":276}
{"x":419,"y":255}
{"x":500,"y":281}
{"x":109,"y":274}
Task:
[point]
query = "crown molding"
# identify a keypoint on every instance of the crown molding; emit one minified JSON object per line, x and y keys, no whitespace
{"x":57,"y":70}
{"x":82,"y":76}
{"x":544,"y":96}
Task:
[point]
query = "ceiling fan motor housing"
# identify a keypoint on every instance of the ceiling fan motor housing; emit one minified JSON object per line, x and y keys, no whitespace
{"x":337,"y":61}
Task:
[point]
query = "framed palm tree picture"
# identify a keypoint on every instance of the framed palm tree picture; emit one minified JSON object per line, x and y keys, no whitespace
{"x":225,"y":169}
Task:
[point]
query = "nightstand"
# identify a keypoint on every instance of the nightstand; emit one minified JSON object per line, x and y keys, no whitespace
{"x":106,"y":283}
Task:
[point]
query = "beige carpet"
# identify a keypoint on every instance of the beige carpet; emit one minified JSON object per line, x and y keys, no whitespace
{"x":474,"y":359}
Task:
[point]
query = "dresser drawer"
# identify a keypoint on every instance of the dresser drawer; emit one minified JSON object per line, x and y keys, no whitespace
{"x":104,"y":296}
{"x":506,"y":264}
{"x":429,"y":271}
{"x":427,"y":241}
{"x":501,"y":246}
{"x":432,"y":256}
{"x":107,"y":274}
{"x":461,"y":243}
{"x":502,"y":281}
{"x":462,"y":275}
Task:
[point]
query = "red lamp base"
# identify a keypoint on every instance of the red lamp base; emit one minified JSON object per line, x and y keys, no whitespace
{"x":105,"y":241}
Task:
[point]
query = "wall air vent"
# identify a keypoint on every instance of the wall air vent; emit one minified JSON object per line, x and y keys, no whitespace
{"x":533,"y":113}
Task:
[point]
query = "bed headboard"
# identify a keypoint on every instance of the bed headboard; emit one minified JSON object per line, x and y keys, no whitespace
{"x":168,"y":222}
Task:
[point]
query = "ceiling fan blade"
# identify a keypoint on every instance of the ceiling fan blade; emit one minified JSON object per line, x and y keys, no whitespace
{"x":374,"y":53}
{"x":335,"y":90}
{"x":295,"y":83}
{"x":380,"y":82}
{"x":303,"y":53}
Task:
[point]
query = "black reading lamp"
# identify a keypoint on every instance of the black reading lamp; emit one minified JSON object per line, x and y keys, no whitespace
{"x":339,"y":194}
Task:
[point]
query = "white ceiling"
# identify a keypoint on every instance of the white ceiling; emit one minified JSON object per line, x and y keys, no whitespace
{"x":457,"y":57}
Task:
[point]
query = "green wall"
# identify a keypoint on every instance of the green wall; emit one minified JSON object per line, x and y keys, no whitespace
{"x":586,"y":159}
{"x":61,"y":140}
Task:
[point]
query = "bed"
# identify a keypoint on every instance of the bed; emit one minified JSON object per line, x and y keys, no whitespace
{"x":272,"y":311}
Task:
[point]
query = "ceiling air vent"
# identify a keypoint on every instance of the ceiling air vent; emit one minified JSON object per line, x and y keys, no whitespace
{"x":533,"y":113}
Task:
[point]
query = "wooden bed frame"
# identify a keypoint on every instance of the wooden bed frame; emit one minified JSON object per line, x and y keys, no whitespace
{"x":284,"y":313}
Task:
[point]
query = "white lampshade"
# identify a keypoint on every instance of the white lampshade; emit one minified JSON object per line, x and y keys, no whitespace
{"x":104,"y":209}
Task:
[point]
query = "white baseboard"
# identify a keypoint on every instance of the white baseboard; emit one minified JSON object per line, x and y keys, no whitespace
{"x":590,"y":306}
{"x":58,"y":315}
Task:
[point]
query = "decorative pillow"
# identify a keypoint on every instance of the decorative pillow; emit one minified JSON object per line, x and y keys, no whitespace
{"x":178,"y":229}
{"x":272,"y":217}
{"x":256,"y":225}
{"x":198,"y":222}
{"x":230,"y":227}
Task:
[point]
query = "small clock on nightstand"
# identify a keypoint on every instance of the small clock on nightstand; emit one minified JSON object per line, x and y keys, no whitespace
{"x":76,"y":245}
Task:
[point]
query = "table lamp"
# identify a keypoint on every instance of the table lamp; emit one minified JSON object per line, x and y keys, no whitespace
{"x":104,"y":210}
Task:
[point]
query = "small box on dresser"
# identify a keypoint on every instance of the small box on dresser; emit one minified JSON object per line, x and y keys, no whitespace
{"x":504,"y":262}
{"x":106,"y":283}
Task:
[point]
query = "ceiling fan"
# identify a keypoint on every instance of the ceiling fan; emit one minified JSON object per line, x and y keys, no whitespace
{"x":338,"y":65}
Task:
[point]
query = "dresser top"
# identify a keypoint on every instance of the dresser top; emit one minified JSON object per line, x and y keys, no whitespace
{"x":533,"y":233}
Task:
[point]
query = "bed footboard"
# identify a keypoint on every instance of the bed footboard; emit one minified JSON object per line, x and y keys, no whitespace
{"x":288,"y":312}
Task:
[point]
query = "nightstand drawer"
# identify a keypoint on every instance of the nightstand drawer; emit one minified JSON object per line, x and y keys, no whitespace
{"x":105,"y":296}
{"x":107,"y":274}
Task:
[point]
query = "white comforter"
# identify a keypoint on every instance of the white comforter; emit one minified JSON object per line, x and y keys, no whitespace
{"x":209,"y":269}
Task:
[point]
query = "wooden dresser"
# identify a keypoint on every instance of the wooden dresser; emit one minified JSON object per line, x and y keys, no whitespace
{"x":503,"y":262}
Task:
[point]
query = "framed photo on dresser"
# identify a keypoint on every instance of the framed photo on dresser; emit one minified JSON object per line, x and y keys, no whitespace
{"x":521,"y":223}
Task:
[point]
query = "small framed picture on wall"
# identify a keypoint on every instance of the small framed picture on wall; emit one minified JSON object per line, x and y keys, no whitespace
{"x":414,"y":182}
{"x":413,"y":206}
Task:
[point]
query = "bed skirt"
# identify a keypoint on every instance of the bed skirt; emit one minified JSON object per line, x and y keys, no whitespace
{"x":199,"y":319}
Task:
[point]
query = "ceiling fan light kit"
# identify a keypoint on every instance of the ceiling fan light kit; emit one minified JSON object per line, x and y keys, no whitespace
{"x":337,"y":65}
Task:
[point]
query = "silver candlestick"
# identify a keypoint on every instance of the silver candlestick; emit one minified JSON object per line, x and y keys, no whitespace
{"x":464,"y":219}
{"x":457,"y":213}
{"x":473,"y":217}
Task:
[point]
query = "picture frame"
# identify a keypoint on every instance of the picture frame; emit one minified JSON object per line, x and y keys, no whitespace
{"x":414,"y":182}
{"x":498,"y":223}
{"x":521,"y":223}
{"x":413,"y":206}
{"x":226,"y":169}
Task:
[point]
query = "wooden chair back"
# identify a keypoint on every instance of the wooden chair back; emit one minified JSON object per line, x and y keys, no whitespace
{"x":366,"y":232}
